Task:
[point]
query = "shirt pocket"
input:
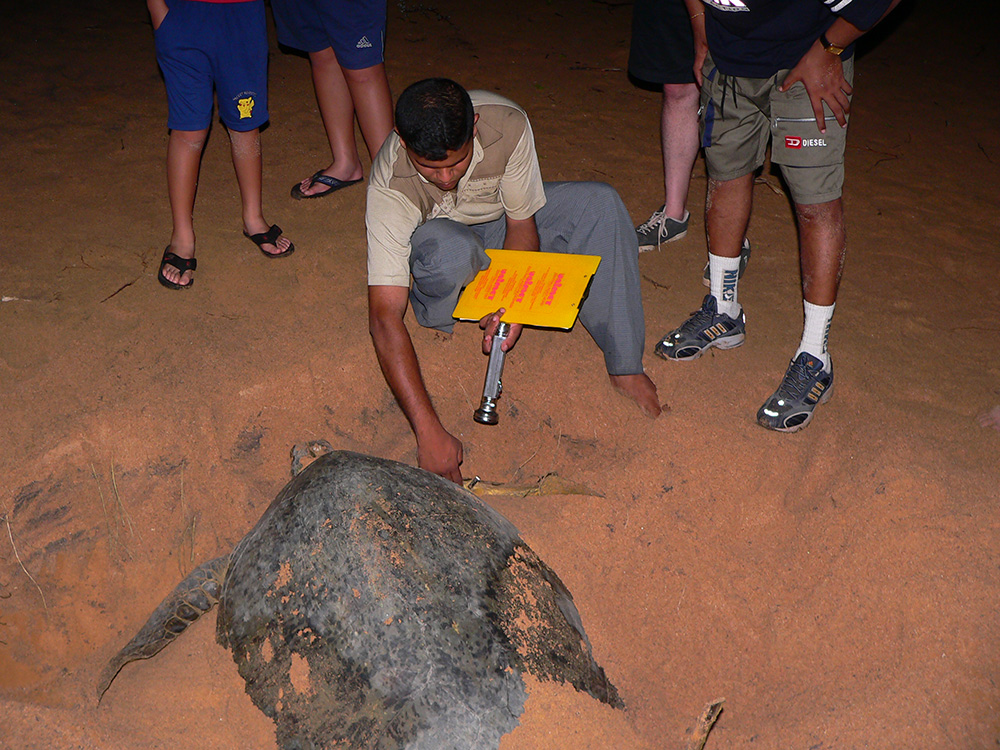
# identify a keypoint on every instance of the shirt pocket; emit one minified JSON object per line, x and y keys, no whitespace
{"x":482,"y":190}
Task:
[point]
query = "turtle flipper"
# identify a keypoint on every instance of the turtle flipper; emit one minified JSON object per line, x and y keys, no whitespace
{"x":193,"y":597}
{"x":536,"y":613}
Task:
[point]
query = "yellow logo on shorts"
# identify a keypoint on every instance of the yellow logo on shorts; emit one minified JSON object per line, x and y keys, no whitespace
{"x":245,"y":106}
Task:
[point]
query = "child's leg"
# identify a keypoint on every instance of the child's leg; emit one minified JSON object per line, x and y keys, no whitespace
{"x":245,"y":147}
{"x":337,"y":109}
{"x":346,"y":44}
{"x":184,"y":151}
{"x":340,"y":92}
{"x":373,"y":104}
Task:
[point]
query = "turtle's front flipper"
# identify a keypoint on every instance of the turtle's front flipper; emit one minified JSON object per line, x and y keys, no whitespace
{"x":194,"y":596}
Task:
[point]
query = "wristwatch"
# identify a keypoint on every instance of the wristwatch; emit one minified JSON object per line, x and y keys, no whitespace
{"x":829,"y":46}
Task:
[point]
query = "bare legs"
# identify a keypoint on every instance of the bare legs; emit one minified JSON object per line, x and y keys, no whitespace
{"x":727,"y":214}
{"x":184,"y":150}
{"x":823,"y":247}
{"x":822,"y":238}
{"x":679,"y":137}
{"x":245,"y":148}
{"x":341,"y":94}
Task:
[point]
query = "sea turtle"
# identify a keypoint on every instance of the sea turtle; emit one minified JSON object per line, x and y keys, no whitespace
{"x":375,"y":605}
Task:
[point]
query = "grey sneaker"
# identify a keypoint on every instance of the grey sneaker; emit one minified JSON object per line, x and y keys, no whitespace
{"x":704,"y":329}
{"x":744,"y":259}
{"x":805,"y":386}
{"x":659,"y":228}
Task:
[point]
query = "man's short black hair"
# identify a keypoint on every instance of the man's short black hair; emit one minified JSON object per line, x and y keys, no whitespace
{"x":433,"y":117}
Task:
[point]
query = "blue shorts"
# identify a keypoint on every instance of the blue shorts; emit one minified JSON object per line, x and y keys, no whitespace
{"x":355,"y":29}
{"x":201,"y":46}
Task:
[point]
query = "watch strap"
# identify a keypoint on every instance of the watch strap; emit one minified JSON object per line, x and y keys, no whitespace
{"x":829,"y":46}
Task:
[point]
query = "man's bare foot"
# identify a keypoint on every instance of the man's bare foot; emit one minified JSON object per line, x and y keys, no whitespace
{"x":640,"y":389}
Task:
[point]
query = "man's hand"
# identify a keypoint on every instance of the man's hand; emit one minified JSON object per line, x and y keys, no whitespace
{"x":700,"y":45}
{"x":440,"y":452}
{"x":489,"y":325}
{"x":823,"y":76}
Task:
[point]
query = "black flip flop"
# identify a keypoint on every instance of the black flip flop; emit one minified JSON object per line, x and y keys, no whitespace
{"x":270,"y":237}
{"x":181,"y":264}
{"x":331,"y":182}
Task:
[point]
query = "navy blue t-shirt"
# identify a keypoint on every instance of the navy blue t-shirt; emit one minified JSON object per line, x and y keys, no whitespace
{"x":757,"y":38}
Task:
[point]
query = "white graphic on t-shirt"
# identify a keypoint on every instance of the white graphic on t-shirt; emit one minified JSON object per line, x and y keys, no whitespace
{"x":728,"y":5}
{"x":363,"y":42}
{"x":837,"y":5}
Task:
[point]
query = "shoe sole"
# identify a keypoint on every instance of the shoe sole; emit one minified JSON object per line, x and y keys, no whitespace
{"x":727,"y":342}
{"x":650,"y":248}
{"x":805,"y":423}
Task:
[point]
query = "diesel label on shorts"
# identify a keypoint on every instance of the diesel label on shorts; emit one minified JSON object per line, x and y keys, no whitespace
{"x":794,"y":141}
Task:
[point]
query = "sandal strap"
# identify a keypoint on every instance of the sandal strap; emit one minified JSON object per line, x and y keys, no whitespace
{"x":270,"y":237}
{"x":181,"y":264}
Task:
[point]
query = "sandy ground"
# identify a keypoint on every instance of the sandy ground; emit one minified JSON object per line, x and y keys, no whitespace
{"x":837,"y":587}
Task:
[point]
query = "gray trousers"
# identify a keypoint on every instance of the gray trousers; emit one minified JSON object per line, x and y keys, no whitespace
{"x":588,"y":218}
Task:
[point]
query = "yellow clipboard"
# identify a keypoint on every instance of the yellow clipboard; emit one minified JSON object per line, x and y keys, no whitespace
{"x":538,"y":289}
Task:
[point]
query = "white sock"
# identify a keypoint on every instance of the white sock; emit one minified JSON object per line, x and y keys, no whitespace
{"x":816,"y":331}
{"x":723,"y":275}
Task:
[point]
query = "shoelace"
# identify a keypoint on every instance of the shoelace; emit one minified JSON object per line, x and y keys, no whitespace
{"x":797,"y":381}
{"x":699,"y":320}
{"x":656,"y":218}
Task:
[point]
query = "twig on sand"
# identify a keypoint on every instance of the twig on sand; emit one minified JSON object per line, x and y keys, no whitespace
{"x":121,"y":516}
{"x":525,"y":461}
{"x":187,"y":534}
{"x":10,"y":535}
{"x":762,"y":180}
{"x":705,"y":723}
{"x":185,"y":546}
{"x":118,"y":501}
{"x":656,"y":284}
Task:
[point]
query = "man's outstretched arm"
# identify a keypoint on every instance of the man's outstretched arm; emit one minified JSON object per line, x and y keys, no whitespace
{"x":437,"y":450}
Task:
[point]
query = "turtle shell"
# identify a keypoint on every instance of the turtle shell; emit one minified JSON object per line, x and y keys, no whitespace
{"x":375,"y":605}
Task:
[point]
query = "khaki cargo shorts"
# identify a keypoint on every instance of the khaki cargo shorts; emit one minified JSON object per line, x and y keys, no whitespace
{"x":740,"y":116}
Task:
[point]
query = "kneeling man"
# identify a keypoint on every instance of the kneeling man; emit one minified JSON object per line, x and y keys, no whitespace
{"x":460,"y":175}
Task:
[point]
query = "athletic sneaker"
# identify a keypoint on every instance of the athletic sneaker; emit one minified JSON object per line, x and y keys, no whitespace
{"x":704,"y":329}
{"x":660,"y":228}
{"x":744,"y":259}
{"x":805,"y":386}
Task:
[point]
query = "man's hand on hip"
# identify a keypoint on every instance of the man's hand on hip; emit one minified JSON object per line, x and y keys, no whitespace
{"x":823,"y":76}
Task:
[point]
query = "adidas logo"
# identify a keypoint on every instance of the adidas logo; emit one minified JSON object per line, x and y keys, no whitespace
{"x":728,"y":5}
{"x":363,"y":42}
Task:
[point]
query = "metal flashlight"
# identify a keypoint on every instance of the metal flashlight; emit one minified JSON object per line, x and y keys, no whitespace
{"x":487,"y":411}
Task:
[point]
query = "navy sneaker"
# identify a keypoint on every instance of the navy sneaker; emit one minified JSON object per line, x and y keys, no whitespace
{"x":744,"y":259}
{"x":704,"y":329}
{"x":659,"y":228}
{"x":805,"y":386}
